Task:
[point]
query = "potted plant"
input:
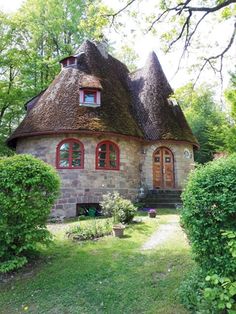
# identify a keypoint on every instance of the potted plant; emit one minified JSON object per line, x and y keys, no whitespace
{"x":118,"y":227}
{"x":152,"y":213}
{"x":122,"y":211}
{"x":118,"y":230}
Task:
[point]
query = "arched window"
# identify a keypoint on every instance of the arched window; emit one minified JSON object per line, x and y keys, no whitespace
{"x":70,"y":154}
{"x":107,"y":156}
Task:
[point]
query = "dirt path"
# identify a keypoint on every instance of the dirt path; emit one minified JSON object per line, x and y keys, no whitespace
{"x":162,"y":234}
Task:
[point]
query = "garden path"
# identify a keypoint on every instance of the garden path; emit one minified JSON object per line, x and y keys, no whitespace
{"x":162,"y":234}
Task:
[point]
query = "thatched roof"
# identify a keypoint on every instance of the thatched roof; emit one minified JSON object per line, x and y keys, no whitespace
{"x":158,"y":117}
{"x":131,"y":104}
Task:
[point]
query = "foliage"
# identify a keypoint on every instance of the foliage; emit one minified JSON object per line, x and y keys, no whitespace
{"x":128,"y":56}
{"x":191,"y":290}
{"x":207,"y":294}
{"x":28,"y":189}
{"x":122,"y":210}
{"x":207,"y":121}
{"x":230,"y":95}
{"x":230,"y":134}
{"x":208,"y":208}
{"x":219,"y":294}
{"x":208,"y":216}
{"x":92,"y":229}
{"x":33,"y":40}
{"x":184,"y":24}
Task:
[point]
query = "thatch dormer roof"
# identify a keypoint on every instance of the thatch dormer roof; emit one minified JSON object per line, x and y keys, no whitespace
{"x":131,"y":104}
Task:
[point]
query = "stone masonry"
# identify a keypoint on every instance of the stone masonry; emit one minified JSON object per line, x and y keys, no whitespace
{"x":88,"y":185}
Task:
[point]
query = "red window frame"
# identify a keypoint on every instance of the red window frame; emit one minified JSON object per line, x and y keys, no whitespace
{"x":107,"y":159}
{"x":90,"y":91}
{"x":70,"y":141}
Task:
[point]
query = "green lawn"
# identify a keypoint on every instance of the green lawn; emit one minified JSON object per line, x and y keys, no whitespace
{"x":109,"y":275}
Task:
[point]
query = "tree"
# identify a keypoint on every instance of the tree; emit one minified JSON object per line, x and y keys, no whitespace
{"x":230,"y":134}
{"x":206,"y":120}
{"x":182,"y":22}
{"x":128,"y":56}
{"x":32,"y":42}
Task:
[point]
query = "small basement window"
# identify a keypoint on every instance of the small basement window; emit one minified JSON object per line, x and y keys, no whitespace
{"x":90,"y":97}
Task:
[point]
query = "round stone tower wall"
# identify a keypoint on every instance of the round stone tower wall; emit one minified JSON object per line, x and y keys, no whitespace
{"x":88,"y":185}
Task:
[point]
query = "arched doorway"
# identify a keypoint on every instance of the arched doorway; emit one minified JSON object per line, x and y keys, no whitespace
{"x":163,"y":169}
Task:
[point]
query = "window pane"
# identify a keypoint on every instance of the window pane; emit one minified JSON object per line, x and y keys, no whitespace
{"x":89,"y":97}
{"x":113,"y":164}
{"x":112,"y":148}
{"x":102,"y":155}
{"x":64,"y":154}
{"x":64,"y":146}
{"x":101,"y":163}
{"x":102,"y":148}
{"x":76,"y":146}
{"x":76,"y":155}
{"x":72,"y":61}
{"x":64,"y":163}
{"x":113,"y":156}
{"x":76,"y":163}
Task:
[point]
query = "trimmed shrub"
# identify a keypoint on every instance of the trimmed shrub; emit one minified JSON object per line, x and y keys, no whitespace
{"x":122,"y":210}
{"x":28,"y":189}
{"x":209,"y":209}
{"x":208,"y":217}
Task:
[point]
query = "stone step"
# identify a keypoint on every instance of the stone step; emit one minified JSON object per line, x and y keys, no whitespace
{"x":163,"y":201}
{"x":164,"y":192}
{"x":164,"y":197}
{"x":162,"y":205}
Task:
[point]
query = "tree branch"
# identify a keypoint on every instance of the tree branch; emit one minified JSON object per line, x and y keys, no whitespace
{"x":218,"y":56}
{"x":210,"y":9}
{"x":113,"y":16}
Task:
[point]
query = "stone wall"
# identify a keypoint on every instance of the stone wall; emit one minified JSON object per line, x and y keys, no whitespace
{"x":88,"y":185}
{"x":182,"y":164}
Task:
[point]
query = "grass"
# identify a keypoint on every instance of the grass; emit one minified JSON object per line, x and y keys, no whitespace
{"x":111,"y":275}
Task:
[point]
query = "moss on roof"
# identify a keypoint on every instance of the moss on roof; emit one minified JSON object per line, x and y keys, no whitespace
{"x":135,"y":105}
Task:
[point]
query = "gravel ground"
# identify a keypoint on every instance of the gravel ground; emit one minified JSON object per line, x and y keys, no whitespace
{"x":161,"y":235}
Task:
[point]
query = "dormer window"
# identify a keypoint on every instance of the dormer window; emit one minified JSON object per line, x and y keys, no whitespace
{"x":90,"y":97}
{"x":68,"y":61}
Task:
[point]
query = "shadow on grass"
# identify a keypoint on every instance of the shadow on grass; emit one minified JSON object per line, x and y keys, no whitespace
{"x":101,"y":278}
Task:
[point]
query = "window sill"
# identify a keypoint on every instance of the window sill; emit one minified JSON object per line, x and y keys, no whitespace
{"x":89,"y":105}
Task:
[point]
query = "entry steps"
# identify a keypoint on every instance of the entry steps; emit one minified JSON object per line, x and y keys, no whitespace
{"x":162,"y":199}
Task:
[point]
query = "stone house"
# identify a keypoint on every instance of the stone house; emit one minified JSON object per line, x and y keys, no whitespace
{"x":106,"y":129}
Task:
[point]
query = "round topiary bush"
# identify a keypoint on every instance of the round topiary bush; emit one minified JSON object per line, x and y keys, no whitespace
{"x":209,"y":209}
{"x":28,"y":189}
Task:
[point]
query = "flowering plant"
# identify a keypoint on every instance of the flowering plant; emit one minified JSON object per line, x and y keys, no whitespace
{"x":152,"y":210}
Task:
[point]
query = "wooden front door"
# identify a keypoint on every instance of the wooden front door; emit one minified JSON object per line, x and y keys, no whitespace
{"x":163,"y":169}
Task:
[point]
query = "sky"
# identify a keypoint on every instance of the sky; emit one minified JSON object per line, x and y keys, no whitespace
{"x":143,"y":44}
{"x":10,"y":5}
